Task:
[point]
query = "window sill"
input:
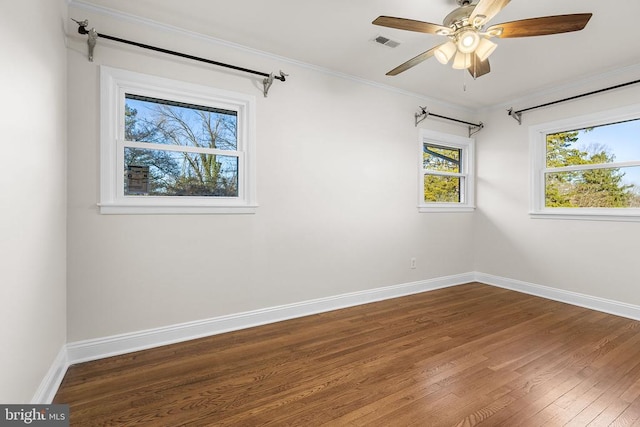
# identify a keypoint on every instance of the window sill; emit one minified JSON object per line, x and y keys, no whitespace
{"x":588,"y":215}
{"x":129,"y":209}
{"x":446,"y":209}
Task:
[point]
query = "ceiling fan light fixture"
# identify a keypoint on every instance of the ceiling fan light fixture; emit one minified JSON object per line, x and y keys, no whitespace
{"x":485,"y":48}
{"x":462,"y":61}
{"x":468,"y":41}
{"x":445,"y":52}
{"x":464,"y":27}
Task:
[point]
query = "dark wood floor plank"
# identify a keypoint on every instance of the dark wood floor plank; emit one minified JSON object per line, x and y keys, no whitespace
{"x":462,"y":356}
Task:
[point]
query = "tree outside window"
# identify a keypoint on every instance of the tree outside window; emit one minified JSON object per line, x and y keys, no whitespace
{"x":202,"y":172}
{"x":584,"y":171}
{"x":442,"y":188}
{"x":447,"y":176}
{"x":587,"y":167}
{"x":173,"y":147}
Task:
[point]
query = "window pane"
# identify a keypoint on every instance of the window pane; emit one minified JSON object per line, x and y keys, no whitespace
{"x":442,"y":189}
{"x":167,"y":122}
{"x":438,"y":158}
{"x":595,"y":188}
{"x":170,"y":173}
{"x":617,"y":142}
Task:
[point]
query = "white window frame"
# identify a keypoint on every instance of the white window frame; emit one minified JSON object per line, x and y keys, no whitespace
{"x":538,"y":148}
{"x":467,"y":172}
{"x":114,"y":84}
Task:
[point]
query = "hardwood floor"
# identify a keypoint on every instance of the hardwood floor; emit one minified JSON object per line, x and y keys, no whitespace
{"x":461,"y":356}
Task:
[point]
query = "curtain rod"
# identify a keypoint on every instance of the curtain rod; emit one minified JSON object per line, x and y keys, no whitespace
{"x":424,"y":113}
{"x":93,"y":36}
{"x":517,"y":115}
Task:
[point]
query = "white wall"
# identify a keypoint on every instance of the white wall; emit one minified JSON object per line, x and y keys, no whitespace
{"x":596,"y":258}
{"x":337,"y":188}
{"x":33,"y":176}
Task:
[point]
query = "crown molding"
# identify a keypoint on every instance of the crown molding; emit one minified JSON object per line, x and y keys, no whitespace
{"x":159,"y":26}
{"x":541,"y":95}
{"x":546,"y":94}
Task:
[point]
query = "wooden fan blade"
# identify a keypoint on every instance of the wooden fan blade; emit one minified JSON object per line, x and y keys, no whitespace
{"x":488,"y":9}
{"x":543,"y":26}
{"x":479,"y":68}
{"x":411,"y":25}
{"x":412,"y":62}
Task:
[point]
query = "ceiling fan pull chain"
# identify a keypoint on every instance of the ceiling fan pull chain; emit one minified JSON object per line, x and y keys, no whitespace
{"x":464,"y":81}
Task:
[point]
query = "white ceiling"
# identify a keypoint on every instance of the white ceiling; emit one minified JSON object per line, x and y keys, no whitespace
{"x":337,"y":35}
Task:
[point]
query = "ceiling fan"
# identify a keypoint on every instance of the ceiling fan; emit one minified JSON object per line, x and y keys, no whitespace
{"x":469,"y":41}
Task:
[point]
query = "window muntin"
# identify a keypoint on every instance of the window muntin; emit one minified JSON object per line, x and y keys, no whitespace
{"x":165,"y":173}
{"x":174,"y":147}
{"x":443,"y":181}
{"x":163,"y":121}
{"x":609,"y":143}
{"x":167,"y":129}
{"x":446,"y":172}
{"x":588,"y":167}
{"x":600,"y":187}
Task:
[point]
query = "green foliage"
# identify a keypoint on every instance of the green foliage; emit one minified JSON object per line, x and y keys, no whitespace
{"x":597,"y":188}
{"x":438,"y":188}
{"x":441,"y":189}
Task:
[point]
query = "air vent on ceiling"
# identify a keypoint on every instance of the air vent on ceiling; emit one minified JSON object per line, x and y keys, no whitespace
{"x":385,"y":41}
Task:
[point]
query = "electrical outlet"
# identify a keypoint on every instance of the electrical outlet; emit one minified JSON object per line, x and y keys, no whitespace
{"x":413,"y":263}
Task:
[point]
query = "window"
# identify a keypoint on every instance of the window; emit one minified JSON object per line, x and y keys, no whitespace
{"x":447,"y":177}
{"x":173,"y":147}
{"x":588,"y":167}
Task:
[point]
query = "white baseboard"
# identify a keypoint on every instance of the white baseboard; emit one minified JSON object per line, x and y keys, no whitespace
{"x":83,"y":351}
{"x":52,"y":380}
{"x":594,"y":303}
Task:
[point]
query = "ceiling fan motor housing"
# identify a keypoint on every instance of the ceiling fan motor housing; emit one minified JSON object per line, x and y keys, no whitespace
{"x":469,"y":43}
{"x":458,"y":17}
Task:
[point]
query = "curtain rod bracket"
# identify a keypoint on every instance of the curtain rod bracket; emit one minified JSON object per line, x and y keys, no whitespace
{"x":517,"y":115}
{"x":268,"y":81}
{"x":420,"y":116}
{"x":92,"y":33}
{"x":473,"y":129}
{"x":93,"y":37}
{"x":423,"y":113}
{"x":91,"y":42}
